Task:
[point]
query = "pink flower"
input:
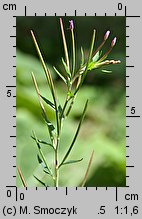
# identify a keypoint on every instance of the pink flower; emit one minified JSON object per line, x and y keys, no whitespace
{"x":106,"y":35}
{"x":113,"y":42}
{"x":71,"y":24}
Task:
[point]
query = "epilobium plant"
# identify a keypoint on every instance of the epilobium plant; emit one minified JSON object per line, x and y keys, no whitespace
{"x":73,"y":79}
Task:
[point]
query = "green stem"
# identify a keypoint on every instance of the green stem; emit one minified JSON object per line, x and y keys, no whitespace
{"x":88,"y":61}
{"x":70,"y":106}
{"x":56,"y":182}
{"x":65,"y":105}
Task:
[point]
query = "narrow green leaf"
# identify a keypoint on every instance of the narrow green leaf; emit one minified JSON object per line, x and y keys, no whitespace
{"x":82,"y":57}
{"x":43,"y":165}
{"x":49,"y":103}
{"x":96,"y":57}
{"x":41,"y":153}
{"x":50,"y":126}
{"x":87,"y":171}
{"x":39,"y":159}
{"x":61,"y":76}
{"x":43,"y":142}
{"x":66,"y":68}
{"x":60,"y":110}
{"x":76,"y":134}
{"x":72,"y":161}
{"x":106,"y":71}
{"x":40,"y":181}
{"x":46,"y":171}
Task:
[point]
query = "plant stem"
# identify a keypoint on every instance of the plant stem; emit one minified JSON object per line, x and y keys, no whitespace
{"x":22,"y":177}
{"x":65,"y":44}
{"x":71,"y":105}
{"x":49,"y":79}
{"x":73,"y":52}
{"x":56,"y":165}
{"x":88,"y":61}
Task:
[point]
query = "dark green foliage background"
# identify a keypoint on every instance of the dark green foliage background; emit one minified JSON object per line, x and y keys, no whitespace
{"x":104,"y":126}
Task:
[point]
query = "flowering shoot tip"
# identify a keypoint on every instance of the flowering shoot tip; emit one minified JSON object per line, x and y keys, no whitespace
{"x":71,"y":24}
{"x":106,"y":35}
{"x":113,"y":42}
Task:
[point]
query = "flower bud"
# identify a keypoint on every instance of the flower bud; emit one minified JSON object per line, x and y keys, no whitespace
{"x":113,"y":42}
{"x":106,"y":35}
{"x":71,"y":24}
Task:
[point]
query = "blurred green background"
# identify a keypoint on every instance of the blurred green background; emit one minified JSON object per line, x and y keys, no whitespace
{"x":104,"y":127}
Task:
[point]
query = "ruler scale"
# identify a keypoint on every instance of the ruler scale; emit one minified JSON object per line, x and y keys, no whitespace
{"x":76,"y":202}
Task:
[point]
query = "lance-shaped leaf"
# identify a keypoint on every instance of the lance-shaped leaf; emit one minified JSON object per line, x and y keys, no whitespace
{"x":40,"y":181}
{"x":50,"y":126}
{"x":87,"y":171}
{"x":66,"y":68}
{"x":76,"y":134}
{"x":40,"y":161}
{"x":49,"y":103}
{"x":96,"y":57}
{"x":41,"y":154}
{"x":72,"y":161}
{"x":82,"y":57}
{"x":46,"y":171}
{"x":61,"y":113}
{"x":60,"y":75}
{"x":43,"y":142}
